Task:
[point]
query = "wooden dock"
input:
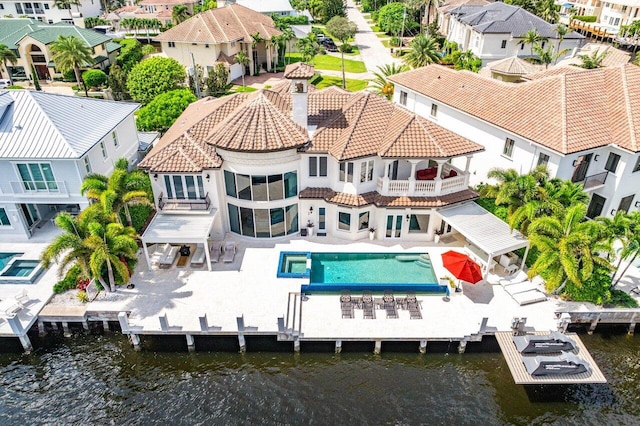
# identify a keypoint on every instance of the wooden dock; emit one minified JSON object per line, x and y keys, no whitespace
{"x":522,"y":377}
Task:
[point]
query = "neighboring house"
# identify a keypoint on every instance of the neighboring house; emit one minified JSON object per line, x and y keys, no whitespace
{"x":615,"y":13}
{"x":48,"y":144}
{"x":586,"y":7}
{"x":217,"y":35}
{"x":45,"y":11}
{"x":268,"y":7}
{"x":495,"y":31}
{"x":266,"y":164}
{"x":590,"y":138}
{"x":162,"y":10}
{"x":31,"y":41}
{"x":442,"y":15}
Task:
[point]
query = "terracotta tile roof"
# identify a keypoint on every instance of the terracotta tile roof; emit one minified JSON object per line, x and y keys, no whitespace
{"x":224,"y":58}
{"x":222,"y":25}
{"x":369,"y":198}
{"x":166,"y":2}
{"x":514,"y":66}
{"x":370,"y":125}
{"x":325,"y":103}
{"x":184,"y":155}
{"x":552,"y":72}
{"x":259,"y":125}
{"x":581,"y":110}
{"x":298,"y":70}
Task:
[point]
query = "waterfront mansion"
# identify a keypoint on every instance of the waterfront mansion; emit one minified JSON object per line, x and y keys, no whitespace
{"x":292,"y":159}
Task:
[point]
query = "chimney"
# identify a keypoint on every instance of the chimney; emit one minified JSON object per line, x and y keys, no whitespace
{"x":298,"y":74}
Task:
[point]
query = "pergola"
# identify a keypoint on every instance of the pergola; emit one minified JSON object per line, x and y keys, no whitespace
{"x":179,"y":229}
{"x":484,"y":230}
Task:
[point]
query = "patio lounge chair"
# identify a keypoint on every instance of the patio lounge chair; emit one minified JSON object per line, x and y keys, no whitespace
{"x":346,"y":304}
{"x":22,"y":298}
{"x":368,"y":306}
{"x":167,"y":260}
{"x":216,"y":251}
{"x":159,"y":253}
{"x":520,"y":287}
{"x":229,"y":252}
{"x":518,"y":277}
{"x":528,"y":297}
{"x":198,"y":256}
{"x":389,"y":304}
{"x":414,"y":306}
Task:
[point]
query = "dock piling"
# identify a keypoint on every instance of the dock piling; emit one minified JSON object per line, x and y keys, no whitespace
{"x":65,"y":329}
{"x":296,"y":346}
{"x":16,"y":326}
{"x":462,"y":346}
{"x":42,"y":331}
{"x":423,"y":346}
{"x":191,"y":344}
{"x":632,"y":328}
{"x":338,"y":346}
{"x":593,"y":326}
{"x":135,"y":341}
{"x":378,"y":347}
{"x":105,"y":325}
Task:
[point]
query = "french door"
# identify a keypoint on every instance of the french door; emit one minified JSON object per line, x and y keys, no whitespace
{"x":394,"y":226}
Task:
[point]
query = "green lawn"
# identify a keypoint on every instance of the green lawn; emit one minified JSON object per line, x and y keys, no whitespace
{"x":332,"y":63}
{"x":352,"y":84}
{"x":240,"y":89}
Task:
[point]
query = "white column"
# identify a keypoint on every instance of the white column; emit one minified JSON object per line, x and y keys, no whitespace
{"x":412,"y":176}
{"x":146,"y":254}
{"x":466,"y":167}
{"x":207,"y":253}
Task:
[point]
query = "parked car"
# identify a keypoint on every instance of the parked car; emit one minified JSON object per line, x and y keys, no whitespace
{"x":4,"y":83}
{"x":331,"y":47}
{"x":326,"y":39}
{"x":320,"y":37}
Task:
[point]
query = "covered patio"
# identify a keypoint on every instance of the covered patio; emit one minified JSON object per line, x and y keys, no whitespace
{"x":487,"y":235}
{"x":179,"y":229}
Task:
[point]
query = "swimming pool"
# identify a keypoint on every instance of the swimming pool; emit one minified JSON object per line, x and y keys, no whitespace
{"x":5,"y":258}
{"x":294,"y":264}
{"x":334,"y":272}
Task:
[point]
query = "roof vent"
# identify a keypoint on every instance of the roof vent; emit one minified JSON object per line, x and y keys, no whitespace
{"x":17,"y":127}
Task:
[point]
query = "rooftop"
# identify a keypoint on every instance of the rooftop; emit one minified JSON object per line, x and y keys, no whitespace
{"x":571,"y":119}
{"x":14,"y":30}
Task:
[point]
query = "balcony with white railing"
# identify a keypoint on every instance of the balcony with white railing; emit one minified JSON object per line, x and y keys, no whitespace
{"x":424,"y":188}
{"x":39,"y":188}
{"x":183,"y":205}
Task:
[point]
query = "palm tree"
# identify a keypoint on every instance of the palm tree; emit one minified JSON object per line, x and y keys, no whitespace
{"x":547,"y":55}
{"x":69,"y":245}
{"x":416,"y":6}
{"x":380,"y":83}
{"x":562,"y":31}
{"x":569,"y":248}
{"x":180,"y":13}
{"x":531,"y":37}
{"x":117,"y":192}
{"x":308,"y":48}
{"x":548,"y":10}
{"x":243,"y":59}
{"x":69,"y":53}
{"x":592,"y":61}
{"x":66,"y":4}
{"x":566,"y":193}
{"x":7,"y":56}
{"x":424,"y":51}
{"x":287,"y":36}
{"x":111,"y":246}
{"x":255,"y":40}
{"x":624,"y":228}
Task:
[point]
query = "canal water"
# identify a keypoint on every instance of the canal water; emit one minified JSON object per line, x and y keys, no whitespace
{"x":101,"y":380}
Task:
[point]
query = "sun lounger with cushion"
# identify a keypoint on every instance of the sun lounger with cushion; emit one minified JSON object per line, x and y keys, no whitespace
{"x":520,"y":287}
{"x":413,"y":306}
{"x":22,"y":298}
{"x":528,"y":297}
{"x":229,"y":252}
{"x":346,"y":304}
{"x":159,"y":253}
{"x":368,"y":306}
{"x":167,"y":260}
{"x":198,"y":256}
{"x":389,"y":304}
{"x":518,"y":277}
{"x":216,"y":251}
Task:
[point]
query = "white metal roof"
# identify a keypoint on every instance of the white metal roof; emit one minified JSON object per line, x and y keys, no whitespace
{"x":48,"y":125}
{"x":179,"y":228}
{"x":483,"y":229}
{"x":263,"y":6}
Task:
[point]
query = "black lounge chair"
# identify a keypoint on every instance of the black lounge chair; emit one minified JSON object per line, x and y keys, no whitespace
{"x":389,"y":304}
{"x":346,"y":304}
{"x":414,"y":306}
{"x":368,"y":306}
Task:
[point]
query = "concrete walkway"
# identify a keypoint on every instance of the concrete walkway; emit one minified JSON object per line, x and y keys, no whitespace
{"x":372,"y":51}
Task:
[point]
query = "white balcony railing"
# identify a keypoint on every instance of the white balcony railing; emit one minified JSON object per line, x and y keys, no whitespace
{"x":39,"y":188}
{"x":423,"y":188}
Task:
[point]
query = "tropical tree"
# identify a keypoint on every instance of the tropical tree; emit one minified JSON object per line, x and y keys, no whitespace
{"x":381,"y":85}
{"x":308,"y":48}
{"x":7,"y":56}
{"x":624,"y":228}
{"x":343,"y":30}
{"x":592,"y":61}
{"x":94,"y":78}
{"x":417,"y":6}
{"x":218,"y":80}
{"x":66,"y":4}
{"x":424,"y":51}
{"x":331,"y":8}
{"x":548,"y":10}
{"x":569,"y":248}
{"x":164,"y":110}
{"x":243,"y":59}
{"x":531,"y":37}
{"x":118,"y":82}
{"x":255,"y":40}
{"x":565,"y":192}
{"x":287,"y":36}
{"x":467,"y":60}
{"x":392,"y":17}
{"x":180,"y":13}
{"x":562,"y":32}
{"x":111,"y":246}
{"x":547,"y":55}
{"x":69,"y":53}
{"x":118,"y":191}
{"x":154,"y":76}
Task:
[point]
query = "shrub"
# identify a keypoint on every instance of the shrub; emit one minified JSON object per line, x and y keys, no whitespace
{"x":164,"y":110}
{"x":94,"y":78}
{"x":346,"y":48}
{"x":82,"y":296}
{"x":15,"y":87}
{"x":68,"y":76}
{"x":594,"y":290}
{"x":139,"y":215}
{"x":154,"y":76}
{"x":148,"y":49}
{"x":621,"y":299}
{"x":586,"y":18}
{"x":70,"y":280}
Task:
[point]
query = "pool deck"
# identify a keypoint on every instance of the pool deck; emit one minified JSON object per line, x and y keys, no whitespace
{"x":248,"y":288}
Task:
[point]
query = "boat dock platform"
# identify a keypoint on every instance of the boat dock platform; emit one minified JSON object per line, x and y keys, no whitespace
{"x":522,"y":377}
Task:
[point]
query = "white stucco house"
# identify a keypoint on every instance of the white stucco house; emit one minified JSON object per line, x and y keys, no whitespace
{"x":588,"y":136}
{"x":48,"y":144}
{"x":278,"y":7}
{"x":269,"y":163}
{"x":494,"y":31}
{"x":45,"y":11}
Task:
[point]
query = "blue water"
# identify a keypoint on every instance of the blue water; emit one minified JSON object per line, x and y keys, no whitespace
{"x":407,"y":268}
{"x":21,"y":268}
{"x":5,"y":258}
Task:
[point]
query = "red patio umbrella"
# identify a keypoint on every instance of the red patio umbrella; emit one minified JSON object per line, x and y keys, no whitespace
{"x":462,"y":266}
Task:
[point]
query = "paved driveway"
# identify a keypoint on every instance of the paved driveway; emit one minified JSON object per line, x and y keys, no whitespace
{"x":372,"y":50}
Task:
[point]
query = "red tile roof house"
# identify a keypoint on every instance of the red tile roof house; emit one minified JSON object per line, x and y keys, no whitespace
{"x":267,"y":163}
{"x":584,"y":125}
